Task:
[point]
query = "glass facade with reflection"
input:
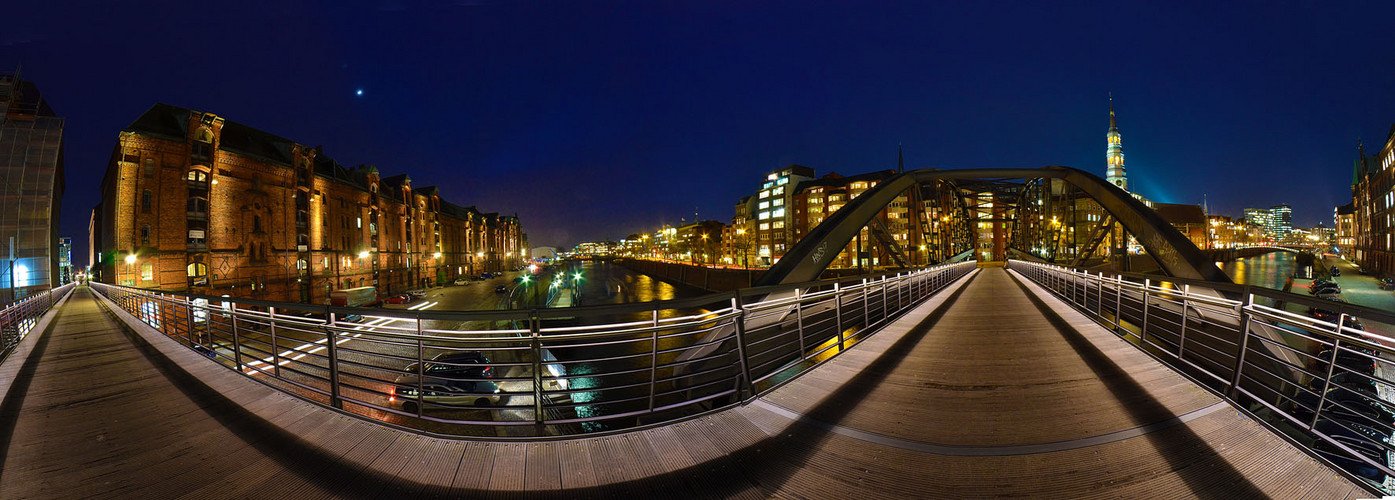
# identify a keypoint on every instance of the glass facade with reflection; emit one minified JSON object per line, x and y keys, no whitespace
{"x":31,"y":187}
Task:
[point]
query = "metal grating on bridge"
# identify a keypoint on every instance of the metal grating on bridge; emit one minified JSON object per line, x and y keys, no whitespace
{"x":985,"y":390}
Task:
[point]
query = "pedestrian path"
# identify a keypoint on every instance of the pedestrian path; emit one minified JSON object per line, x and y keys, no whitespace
{"x":992,"y":388}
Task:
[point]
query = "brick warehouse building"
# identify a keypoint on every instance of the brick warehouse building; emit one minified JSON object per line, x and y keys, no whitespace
{"x":214,"y":207}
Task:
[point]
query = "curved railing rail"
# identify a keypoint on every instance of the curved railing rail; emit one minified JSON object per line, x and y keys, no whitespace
{"x":19,"y":317}
{"x":1318,"y":371}
{"x":539,"y":372}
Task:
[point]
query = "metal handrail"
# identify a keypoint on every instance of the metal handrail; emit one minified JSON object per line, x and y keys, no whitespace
{"x":1328,"y":386}
{"x":576,"y":371}
{"x":21,"y":316}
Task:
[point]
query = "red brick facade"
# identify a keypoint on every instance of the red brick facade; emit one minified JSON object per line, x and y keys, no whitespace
{"x":214,"y":207}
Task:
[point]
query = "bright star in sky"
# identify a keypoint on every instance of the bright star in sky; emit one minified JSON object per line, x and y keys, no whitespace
{"x":359,"y":92}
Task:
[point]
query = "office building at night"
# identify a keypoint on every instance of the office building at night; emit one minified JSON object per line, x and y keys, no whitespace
{"x":1343,"y":218}
{"x":31,"y":189}
{"x":193,"y":202}
{"x":773,"y":217}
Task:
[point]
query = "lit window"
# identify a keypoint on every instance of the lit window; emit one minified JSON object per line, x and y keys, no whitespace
{"x":782,"y":181}
{"x":764,"y":205}
{"x":779,"y":212}
{"x":764,"y":226}
{"x":360,"y":222}
{"x":771,"y":177}
{"x":147,"y":271}
{"x":763,"y":215}
{"x":779,"y":190}
{"x":779,"y":201}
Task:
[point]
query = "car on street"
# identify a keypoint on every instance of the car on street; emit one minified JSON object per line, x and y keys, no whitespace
{"x":461,"y":282}
{"x":416,"y":294}
{"x":353,"y":318}
{"x":1386,"y":283}
{"x":451,"y":380}
{"x":501,"y":289}
{"x":1327,"y":293}
{"x":1325,"y":287}
{"x":400,"y":298}
{"x":1335,"y":271}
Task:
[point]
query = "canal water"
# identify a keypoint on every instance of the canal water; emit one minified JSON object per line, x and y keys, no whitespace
{"x":1269,"y":270}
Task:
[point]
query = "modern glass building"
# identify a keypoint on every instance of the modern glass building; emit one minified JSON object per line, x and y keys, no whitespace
{"x":31,"y":187}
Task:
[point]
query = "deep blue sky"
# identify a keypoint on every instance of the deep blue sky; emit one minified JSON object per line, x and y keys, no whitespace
{"x":595,"y":119}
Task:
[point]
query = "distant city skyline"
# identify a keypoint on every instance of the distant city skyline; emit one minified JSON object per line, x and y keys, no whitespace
{"x":594,"y":121}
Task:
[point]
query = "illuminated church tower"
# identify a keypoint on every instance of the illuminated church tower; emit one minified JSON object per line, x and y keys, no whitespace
{"x":1115,"y":154}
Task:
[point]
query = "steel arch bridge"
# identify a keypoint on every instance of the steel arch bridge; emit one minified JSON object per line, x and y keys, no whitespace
{"x":1025,"y":198}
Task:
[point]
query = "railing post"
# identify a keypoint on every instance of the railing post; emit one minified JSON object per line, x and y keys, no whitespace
{"x":653,"y":358}
{"x":275,"y":350}
{"x":421,"y":375}
{"x":237,"y":340}
{"x":1327,"y":381}
{"x":885,"y":309}
{"x":330,"y":334}
{"x":838,"y":314}
{"x":1143,"y":331}
{"x":866,"y":307}
{"x":1245,"y":318}
{"x":799,"y":321}
{"x":1182,"y":339}
{"x":1099,"y":296}
{"x":189,"y":324}
{"x":535,"y":332}
{"x":1118,"y":302}
{"x":740,"y":321}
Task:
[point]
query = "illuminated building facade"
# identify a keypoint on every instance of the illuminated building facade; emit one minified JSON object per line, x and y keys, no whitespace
{"x":1373,"y":200}
{"x":31,"y":189}
{"x":774,"y":216}
{"x":192,"y":202}
{"x":1343,"y":219}
{"x":816,"y":200}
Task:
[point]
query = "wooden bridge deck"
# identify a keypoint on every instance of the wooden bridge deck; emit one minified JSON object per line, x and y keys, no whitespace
{"x":990,"y":391}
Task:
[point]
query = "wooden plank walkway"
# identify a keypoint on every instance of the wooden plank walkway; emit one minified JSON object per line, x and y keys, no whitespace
{"x":989,"y":391}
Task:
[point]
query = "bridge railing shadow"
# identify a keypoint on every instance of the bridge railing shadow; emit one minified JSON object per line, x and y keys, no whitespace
{"x":1317,"y":372}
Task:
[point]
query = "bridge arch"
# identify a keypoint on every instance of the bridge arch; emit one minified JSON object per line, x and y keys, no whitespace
{"x":1177,"y":255}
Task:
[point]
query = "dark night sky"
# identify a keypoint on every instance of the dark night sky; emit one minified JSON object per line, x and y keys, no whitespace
{"x":592,"y":120}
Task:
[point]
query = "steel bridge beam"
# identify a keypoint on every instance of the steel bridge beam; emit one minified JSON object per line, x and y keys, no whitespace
{"x":1177,"y":255}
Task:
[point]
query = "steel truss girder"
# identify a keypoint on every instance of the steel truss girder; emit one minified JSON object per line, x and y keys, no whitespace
{"x":1177,"y":255}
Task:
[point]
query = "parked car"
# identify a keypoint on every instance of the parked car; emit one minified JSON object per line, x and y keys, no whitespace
{"x":353,"y":318}
{"x":449,"y":380}
{"x":1328,"y":293}
{"x":1386,"y":283}
{"x":461,"y":282}
{"x":1335,"y":271}
{"x":1325,"y":288}
{"x":1365,"y":441}
{"x":416,"y":294}
{"x":1349,"y":359}
{"x":1320,"y":282}
{"x":400,"y":298}
{"x":501,"y":289}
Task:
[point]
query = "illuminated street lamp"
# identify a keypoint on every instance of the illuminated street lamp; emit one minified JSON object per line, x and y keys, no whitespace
{"x":130,"y":267}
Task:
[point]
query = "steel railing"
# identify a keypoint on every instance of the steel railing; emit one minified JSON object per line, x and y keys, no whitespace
{"x":538,"y":372}
{"x":1321,"y":372}
{"x":20,"y":316}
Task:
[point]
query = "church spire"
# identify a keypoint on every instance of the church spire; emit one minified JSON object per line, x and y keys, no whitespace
{"x":1112,"y":124}
{"x":1114,"y":153}
{"x":900,"y":160}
